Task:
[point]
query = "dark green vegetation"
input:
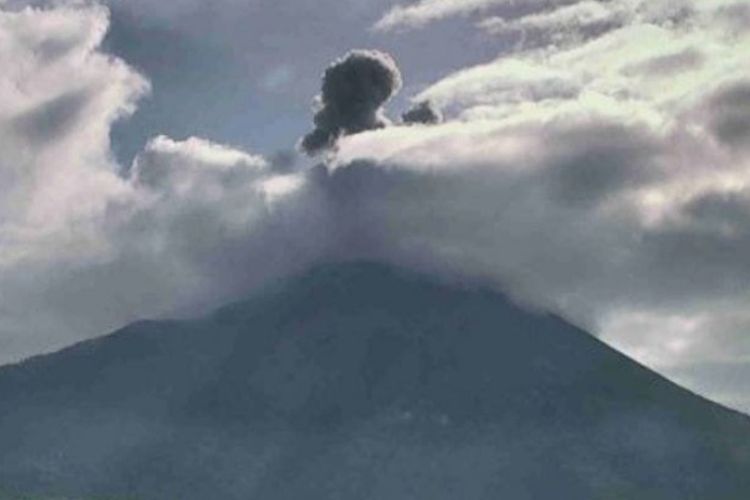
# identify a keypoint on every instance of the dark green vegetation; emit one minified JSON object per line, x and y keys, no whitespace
{"x":359,"y":381}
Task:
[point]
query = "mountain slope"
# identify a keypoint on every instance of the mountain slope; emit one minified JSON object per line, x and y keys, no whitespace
{"x":359,"y":381}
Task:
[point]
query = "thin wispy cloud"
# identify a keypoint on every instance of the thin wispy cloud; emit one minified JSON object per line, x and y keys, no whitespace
{"x":424,"y":12}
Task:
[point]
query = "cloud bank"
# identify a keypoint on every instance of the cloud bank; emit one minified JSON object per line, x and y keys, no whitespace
{"x":608,"y":152}
{"x":84,"y":249}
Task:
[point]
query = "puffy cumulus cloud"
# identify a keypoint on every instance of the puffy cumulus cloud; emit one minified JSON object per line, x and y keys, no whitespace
{"x":58,"y":99}
{"x":180,"y":167}
{"x":354,"y":90}
{"x":424,"y":112}
{"x":211,"y":224}
{"x":83,"y":249}
{"x":202,"y":224}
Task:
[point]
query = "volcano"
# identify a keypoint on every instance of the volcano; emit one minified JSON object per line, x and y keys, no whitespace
{"x":361,"y":381}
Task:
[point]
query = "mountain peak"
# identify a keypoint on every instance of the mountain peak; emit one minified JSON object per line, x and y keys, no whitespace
{"x":360,"y":372}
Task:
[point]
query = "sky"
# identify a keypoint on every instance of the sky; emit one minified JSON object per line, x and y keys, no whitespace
{"x":590,"y":158}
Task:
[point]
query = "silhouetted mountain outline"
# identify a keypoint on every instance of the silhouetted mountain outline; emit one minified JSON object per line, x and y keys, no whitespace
{"x":361,"y":381}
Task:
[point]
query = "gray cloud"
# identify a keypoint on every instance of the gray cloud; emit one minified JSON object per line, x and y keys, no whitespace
{"x":730,"y":114}
{"x":668,"y":64}
{"x":600,"y":218}
{"x":723,"y":212}
{"x":735,"y":16}
{"x":424,"y":112}
{"x":284,"y":161}
{"x":54,"y":117}
{"x":354,"y":90}
{"x":595,"y":162}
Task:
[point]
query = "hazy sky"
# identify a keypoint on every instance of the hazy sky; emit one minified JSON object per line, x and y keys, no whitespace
{"x":594,"y":160}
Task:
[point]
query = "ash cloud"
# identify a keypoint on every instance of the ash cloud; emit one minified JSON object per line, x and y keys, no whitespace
{"x":423,"y":112}
{"x":353,"y":93}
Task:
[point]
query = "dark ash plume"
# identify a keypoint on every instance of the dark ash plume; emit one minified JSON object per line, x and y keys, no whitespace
{"x":355,"y":88}
{"x":423,"y":112}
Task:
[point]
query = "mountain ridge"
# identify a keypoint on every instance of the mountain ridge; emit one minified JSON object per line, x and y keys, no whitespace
{"x":349,"y":364}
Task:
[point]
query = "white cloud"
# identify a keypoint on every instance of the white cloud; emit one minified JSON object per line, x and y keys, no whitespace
{"x":58,"y":99}
{"x":602,"y":174}
{"x":626,"y":64}
{"x":503,"y":81}
{"x":426,"y":11}
{"x":564,"y":24}
{"x":599,"y":168}
{"x":84,"y":250}
{"x":601,"y":221}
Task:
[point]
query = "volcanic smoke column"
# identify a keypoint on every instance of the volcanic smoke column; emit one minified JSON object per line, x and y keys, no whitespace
{"x":355,"y":89}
